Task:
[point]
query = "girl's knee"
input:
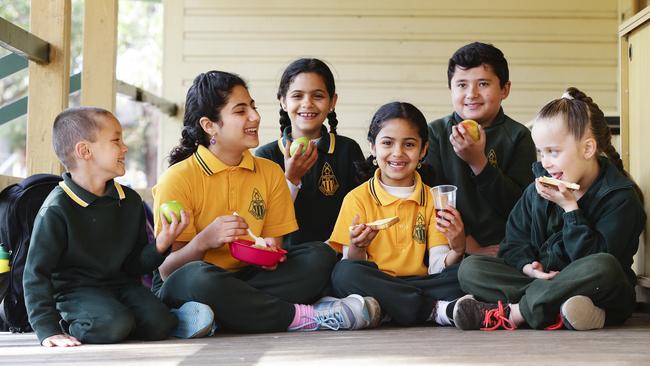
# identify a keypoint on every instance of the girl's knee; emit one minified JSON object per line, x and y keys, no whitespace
{"x":345,"y":272}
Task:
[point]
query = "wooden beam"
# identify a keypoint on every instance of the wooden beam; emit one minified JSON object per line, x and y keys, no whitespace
{"x":99,"y":54}
{"x":48,"y":84}
{"x":21,"y":42}
{"x":141,"y":95}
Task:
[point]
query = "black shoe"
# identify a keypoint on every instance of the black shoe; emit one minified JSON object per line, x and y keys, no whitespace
{"x":471,"y":314}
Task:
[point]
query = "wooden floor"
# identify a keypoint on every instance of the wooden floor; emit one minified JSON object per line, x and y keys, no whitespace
{"x":627,"y":345}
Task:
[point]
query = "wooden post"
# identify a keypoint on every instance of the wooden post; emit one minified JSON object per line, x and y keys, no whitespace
{"x":99,"y":54}
{"x":48,"y":84}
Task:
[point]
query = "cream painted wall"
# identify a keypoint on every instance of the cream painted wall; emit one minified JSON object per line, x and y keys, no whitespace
{"x":382,"y":50}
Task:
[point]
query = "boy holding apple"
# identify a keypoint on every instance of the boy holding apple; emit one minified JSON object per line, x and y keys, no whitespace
{"x":489,"y":159}
{"x":89,"y":245}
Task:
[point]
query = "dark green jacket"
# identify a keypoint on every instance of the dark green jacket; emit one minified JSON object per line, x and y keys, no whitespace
{"x":484,"y":201}
{"x":610,"y":219}
{"x":323,"y":187}
{"x":101,"y":245}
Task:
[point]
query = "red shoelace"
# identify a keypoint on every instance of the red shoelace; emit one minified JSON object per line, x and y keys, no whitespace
{"x":558,"y":325}
{"x":496,"y":318}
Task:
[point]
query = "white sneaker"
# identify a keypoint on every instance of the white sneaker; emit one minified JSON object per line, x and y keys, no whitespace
{"x":580,"y":313}
{"x":334,"y":314}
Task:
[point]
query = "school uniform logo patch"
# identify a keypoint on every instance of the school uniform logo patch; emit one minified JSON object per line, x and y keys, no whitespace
{"x":492,"y":158}
{"x":257,"y":207}
{"x":420,"y":230}
{"x":327,"y":183}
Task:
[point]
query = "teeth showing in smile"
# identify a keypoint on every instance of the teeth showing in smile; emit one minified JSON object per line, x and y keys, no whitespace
{"x":308,"y":115}
{"x":250,"y":130}
{"x":396,"y":164}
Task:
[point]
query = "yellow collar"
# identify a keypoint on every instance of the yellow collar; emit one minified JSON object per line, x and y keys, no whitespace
{"x":383,"y":198}
{"x":210,"y":164}
{"x":84,"y":198}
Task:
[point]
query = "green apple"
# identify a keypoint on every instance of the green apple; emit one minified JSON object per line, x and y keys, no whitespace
{"x":171,"y":206}
{"x":294,"y":145}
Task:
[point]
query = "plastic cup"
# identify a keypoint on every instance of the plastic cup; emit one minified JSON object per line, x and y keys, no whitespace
{"x":444,"y":196}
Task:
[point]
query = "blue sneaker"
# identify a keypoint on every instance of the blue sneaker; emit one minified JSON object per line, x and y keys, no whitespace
{"x":195,"y":320}
{"x":331,"y":313}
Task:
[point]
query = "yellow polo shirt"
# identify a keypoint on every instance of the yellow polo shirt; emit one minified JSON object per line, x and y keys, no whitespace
{"x":207,"y":188}
{"x":399,"y":250}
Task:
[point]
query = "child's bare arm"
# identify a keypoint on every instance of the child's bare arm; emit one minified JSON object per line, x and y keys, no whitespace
{"x":224,"y":229}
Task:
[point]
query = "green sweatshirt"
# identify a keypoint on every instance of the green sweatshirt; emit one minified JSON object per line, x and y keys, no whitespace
{"x":82,"y":240}
{"x":609,"y":219}
{"x":484,"y":200}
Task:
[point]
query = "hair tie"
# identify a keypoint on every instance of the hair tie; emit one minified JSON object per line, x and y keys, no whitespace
{"x":566,"y":95}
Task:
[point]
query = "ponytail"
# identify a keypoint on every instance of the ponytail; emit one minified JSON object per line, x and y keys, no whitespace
{"x":207,"y":95}
{"x":581,"y":113}
{"x":285,"y":121}
{"x":365,"y":168}
{"x":332,"y":121}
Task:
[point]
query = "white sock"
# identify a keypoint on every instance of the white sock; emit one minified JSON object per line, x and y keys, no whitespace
{"x":439,"y":313}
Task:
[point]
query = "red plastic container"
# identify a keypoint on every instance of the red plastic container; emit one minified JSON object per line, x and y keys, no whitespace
{"x":245,"y":251}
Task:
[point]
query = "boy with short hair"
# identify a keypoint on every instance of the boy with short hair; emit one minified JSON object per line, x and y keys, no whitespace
{"x":89,"y":244}
{"x":491,"y":172}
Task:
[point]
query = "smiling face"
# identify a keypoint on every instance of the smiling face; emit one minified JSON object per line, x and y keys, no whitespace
{"x":560,"y":153}
{"x":108,"y":151}
{"x":476,"y":93}
{"x":398,"y":148}
{"x":308,"y":103}
{"x":237,"y":130}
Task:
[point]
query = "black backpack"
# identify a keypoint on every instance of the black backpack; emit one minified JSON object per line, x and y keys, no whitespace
{"x":19,"y":204}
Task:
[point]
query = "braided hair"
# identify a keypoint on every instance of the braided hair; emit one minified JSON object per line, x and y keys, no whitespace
{"x":206,"y":97}
{"x":306,"y":65}
{"x":581,"y":113}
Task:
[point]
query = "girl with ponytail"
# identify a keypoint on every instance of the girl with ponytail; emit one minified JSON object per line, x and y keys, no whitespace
{"x":566,"y":260}
{"x":321,"y":173}
{"x":228,"y":194}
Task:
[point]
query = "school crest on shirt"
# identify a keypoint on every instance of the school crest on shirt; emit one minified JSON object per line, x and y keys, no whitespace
{"x":327,"y":183}
{"x":492,"y":158}
{"x":420,"y":230}
{"x":257,"y":207}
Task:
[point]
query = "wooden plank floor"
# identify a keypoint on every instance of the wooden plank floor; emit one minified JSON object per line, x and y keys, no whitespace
{"x":627,"y":345}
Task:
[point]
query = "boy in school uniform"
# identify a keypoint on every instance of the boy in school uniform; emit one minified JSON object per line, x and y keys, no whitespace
{"x":89,"y":244}
{"x":491,"y":172}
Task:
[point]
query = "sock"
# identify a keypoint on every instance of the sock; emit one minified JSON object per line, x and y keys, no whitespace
{"x":303,"y":314}
{"x":450,"y":310}
{"x":439,"y":313}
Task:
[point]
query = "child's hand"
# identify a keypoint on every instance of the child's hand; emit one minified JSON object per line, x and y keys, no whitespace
{"x":560,"y":195}
{"x":360,"y":235}
{"x":470,"y":151}
{"x":223,"y":230}
{"x":275,"y":243}
{"x":450,"y":224}
{"x":296,"y":166}
{"x":61,"y":340}
{"x":536,"y":270}
{"x":170,"y":231}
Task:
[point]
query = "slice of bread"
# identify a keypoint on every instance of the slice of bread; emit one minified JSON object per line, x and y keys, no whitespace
{"x":556,"y":182}
{"x":382,"y":223}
